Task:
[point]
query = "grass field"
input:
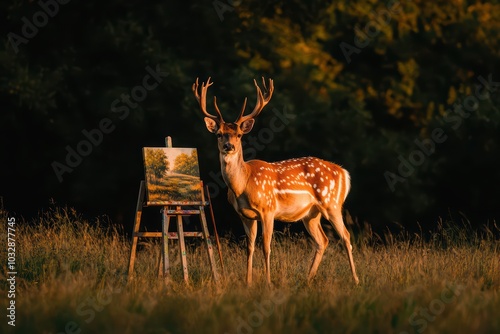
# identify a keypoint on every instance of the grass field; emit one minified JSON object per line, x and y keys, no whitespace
{"x":179,"y":187}
{"x":71,"y":279}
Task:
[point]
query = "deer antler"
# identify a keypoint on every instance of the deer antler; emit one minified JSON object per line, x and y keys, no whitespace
{"x":202,"y":100}
{"x":262,"y":101}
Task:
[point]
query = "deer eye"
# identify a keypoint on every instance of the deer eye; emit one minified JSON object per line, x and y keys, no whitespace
{"x":239,"y":135}
{"x":219,"y":135}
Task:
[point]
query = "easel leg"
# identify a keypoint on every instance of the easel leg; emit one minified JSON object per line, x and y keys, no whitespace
{"x":208,"y":243}
{"x":137,"y":224}
{"x":182,"y":247}
{"x":164,"y":250}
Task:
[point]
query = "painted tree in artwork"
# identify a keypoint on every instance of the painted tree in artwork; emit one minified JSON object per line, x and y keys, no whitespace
{"x":157,"y":163}
{"x":187,"y":164}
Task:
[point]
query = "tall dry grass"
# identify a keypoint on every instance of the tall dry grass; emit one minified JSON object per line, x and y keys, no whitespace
{"x":72,"y":279}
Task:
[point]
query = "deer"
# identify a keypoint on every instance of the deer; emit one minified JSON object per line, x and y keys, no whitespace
{"x":299,"y":189}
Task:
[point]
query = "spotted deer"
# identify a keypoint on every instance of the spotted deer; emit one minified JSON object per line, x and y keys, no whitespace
{"x":290,"y":190}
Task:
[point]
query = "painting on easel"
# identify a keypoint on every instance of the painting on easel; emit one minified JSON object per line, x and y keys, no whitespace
{"x":172,"y":175}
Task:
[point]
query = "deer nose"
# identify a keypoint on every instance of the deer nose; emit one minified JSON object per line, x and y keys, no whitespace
{"x":228,"y":147}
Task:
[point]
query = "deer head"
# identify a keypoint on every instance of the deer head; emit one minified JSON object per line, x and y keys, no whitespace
{"x":229,"y":134}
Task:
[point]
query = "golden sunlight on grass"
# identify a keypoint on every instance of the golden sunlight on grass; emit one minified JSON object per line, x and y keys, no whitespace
{"x":72,"y":279}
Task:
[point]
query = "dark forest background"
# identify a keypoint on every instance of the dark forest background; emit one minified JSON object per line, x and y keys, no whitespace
{"x":403,"y":94}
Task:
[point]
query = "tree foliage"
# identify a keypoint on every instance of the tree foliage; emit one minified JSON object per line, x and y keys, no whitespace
{"x":365,"y":82}
{"x":157,"y":162}
{"x":187,"y":164}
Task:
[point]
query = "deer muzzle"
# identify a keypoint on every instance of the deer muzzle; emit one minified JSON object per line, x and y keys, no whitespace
{"x":228,"y":147}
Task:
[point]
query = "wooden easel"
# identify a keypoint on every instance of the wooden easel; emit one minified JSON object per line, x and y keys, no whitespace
{"x":170,"y":211}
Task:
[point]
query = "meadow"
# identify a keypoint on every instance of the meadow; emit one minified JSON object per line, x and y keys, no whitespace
{"x":178,"y":187}
{"x":72,"y":279}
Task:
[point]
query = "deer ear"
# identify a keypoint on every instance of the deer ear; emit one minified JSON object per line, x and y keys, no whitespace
{"x":247,"y":125}
{"x":211,"y":124}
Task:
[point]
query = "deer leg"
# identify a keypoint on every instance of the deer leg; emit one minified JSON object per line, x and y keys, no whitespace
{"x":312,"y":222}
{"x":335,"y":218}
{"x":267,"y":236}
{"x":251,"y":232}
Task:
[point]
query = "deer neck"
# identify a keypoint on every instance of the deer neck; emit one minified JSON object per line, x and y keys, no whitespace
{"x":234,"y":172}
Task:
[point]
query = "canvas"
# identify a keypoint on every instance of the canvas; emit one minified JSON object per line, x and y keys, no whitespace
{"x":172,"y":175}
